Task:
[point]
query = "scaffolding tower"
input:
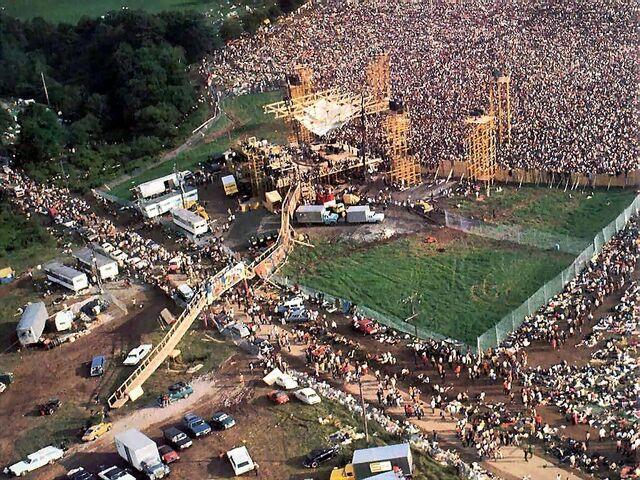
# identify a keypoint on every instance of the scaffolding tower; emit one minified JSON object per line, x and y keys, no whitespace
{"x":299,"y":85}
{"x":378,"y":77}
{"x":480,"y":146}
{"x":405,"y":169}
{"x":500,"y":106}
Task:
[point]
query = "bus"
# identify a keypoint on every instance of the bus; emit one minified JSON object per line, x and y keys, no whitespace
{"x":66,"y":276}
{"x":189,"y":221}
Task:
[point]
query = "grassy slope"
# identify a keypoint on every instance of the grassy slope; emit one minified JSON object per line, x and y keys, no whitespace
{"x":575,"y":214}
{"x":463,"y":291}
{"x":71,"y":11}
{"x":245,"y":119}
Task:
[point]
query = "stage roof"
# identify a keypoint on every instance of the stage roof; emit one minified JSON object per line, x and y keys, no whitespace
{"x":325,"y":115}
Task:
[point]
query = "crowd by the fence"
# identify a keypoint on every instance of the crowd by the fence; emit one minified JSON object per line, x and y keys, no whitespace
{"x":567,"y":115}
{"x":74,"y":213}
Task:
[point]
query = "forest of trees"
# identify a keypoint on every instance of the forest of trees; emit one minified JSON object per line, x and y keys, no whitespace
{"x":118,"y":86}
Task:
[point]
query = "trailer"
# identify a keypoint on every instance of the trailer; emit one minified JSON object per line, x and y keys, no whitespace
{"x":229,"y":185}
{"x":189,"y":221}
{"x":315,"y":214}
{"x":141,"y":453}
{"x":106,"y":267}
{"x":66,"y":276}
{"x":363,"y":214}
{"x":32,"y":323}
{"x":391,"y":458}
{"x":154,"y":207}
{"x":161,"y":185}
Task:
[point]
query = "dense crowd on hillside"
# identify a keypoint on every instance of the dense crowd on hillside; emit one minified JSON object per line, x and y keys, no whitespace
{"x":571,"y":64}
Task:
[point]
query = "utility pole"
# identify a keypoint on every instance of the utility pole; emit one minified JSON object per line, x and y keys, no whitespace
{"x":364,"y":412}
{"x":364,"y":136}
{"x":411,"y":319}
{"x":44,"y":86}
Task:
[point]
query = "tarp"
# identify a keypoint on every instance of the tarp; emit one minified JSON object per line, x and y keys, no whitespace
{"x":325,"y":116}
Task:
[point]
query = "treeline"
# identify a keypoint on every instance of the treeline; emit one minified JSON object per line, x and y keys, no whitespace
{"x":118,"y":87}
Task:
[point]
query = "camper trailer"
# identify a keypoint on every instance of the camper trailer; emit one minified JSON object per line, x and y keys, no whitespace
{"x":32,"y":323}
{"x":66,"y":276}
{"x":106,"y":267}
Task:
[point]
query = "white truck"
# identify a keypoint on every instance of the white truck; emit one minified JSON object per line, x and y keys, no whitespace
{"x":363,"y":214}
{"x":142,"y":453}
{"x":315,"y":214}
{"x":42,"y":457}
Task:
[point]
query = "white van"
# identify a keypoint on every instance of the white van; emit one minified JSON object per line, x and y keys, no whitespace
{"x":36,"y":460}
{"x":240,"y":460}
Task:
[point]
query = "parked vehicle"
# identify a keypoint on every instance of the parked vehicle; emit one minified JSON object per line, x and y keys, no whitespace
{"x":383,"y":459}
{"x":298,"y":315}
{"x":286,"y":381}
{"x":295,"y":302}
{"x":196,"y":425}
{"x":97,"y":366}
{"x":184,"y":294}
{"x":343,"y":473}
{"x":366,"y":326}
{"x":168,"y":454}
{"x":320,"y":455}
{"x":32,"y":323}
{"x":177,"y":438}
{"x":362,"y":214}
{"x":42,"y":457}
{"x":222,"y":421}
{"x":175,"y":392}
{"x":80,"y":474}
{"x":239,"y":330}
{"x":142,"y":453}
{"x":309,"y":214}
{"x":115,"y":473}
{"x":189,"y":221}
{"x":50,"y":407}
{"x":96,"y":431}
{"x":137,"y":354}
{"x":278,"y":397}
{"x":6,"y":379}
{"x":240,"y":460}
{"x":307,"y":395}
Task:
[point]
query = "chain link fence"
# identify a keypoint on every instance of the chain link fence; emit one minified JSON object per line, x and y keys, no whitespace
{"x":516,"y":234}
{"x":495,"y":335}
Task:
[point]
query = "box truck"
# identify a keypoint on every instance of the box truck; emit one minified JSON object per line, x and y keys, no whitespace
{"x":315,"y":214}
{"x":142,"y":453}
{"x":362,"y":214}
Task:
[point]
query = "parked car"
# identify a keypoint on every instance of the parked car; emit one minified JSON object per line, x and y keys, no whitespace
{"x":97,"y":366}
{"x":320,"y":455}
{"x":308,"y":396}
{"x":177,"y":438}
{"x":138,"y":354}
{"x":284,"y":307}
{"x":240,"y":460}
{"x":196,"y":425}
{"x":96,"y":431}
{"x":222,"y":421}
{"x":35,"y":460}
{"x":278,"y":397}
{"x":366,"y":326}
{"x":115,"y":473}
{"x":50,"y":407}
{"x":299,"y":315}
{"x":175,"y":392}
{"x":239,"y":329}
{"x":168,"y":454}
{"x":80,"y":474}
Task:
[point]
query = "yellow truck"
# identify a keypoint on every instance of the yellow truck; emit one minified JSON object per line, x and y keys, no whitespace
{"x":343,"y":473}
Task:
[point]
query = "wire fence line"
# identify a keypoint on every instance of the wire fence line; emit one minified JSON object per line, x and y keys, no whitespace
{"x":510,"y":322}
{"x":516,"y":234}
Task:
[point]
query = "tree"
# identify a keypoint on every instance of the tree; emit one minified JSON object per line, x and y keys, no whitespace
{"x":231,"y":29}
{"x":41,"y":136}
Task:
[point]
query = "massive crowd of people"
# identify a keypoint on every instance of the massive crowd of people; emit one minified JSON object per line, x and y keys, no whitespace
{"x":572,"y":68}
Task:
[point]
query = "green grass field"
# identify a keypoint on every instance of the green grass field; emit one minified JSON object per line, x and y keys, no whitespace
{"x":463,"y":290}
{"x":71,"y":11}
{"x":576,"y":214}
{"x":244,"y":119}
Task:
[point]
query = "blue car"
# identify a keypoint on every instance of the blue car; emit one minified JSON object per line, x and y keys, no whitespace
{"x":196,"y":425}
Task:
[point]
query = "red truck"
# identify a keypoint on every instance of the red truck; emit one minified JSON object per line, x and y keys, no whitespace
{"x":366,"y":326}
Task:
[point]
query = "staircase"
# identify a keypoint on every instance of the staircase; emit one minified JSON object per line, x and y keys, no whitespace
{"x":131,"y":388}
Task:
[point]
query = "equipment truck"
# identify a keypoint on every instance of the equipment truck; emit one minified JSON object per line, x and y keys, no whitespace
{"x":142,"y":453}
{"x":315,"y":214}
{"x":362,"y":214}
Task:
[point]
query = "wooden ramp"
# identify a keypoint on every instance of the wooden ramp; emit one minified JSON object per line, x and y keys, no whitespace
{"x":131,"y":388}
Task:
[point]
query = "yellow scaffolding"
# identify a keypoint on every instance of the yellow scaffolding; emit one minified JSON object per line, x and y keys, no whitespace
{"x":405,"y":169}
{"x":480,"y":147}
{"x":500,"y":106}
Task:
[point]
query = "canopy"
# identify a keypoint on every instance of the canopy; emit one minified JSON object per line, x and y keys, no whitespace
{"x":325,"y":116}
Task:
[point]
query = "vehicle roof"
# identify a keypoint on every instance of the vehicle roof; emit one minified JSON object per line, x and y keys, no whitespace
{"x":133,"y":436}
{"x":173,"y":431}
{"x":239,"y":454}
{"x":307,"y":391}
{"x":311,"y":208}
{"x":377,"y":454}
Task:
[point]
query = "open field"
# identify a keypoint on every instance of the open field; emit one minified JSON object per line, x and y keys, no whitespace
{"x":71,"y":11}
{"x":464,"y":286}
{"x":243,"y":119}
{"x":576,"y":214}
